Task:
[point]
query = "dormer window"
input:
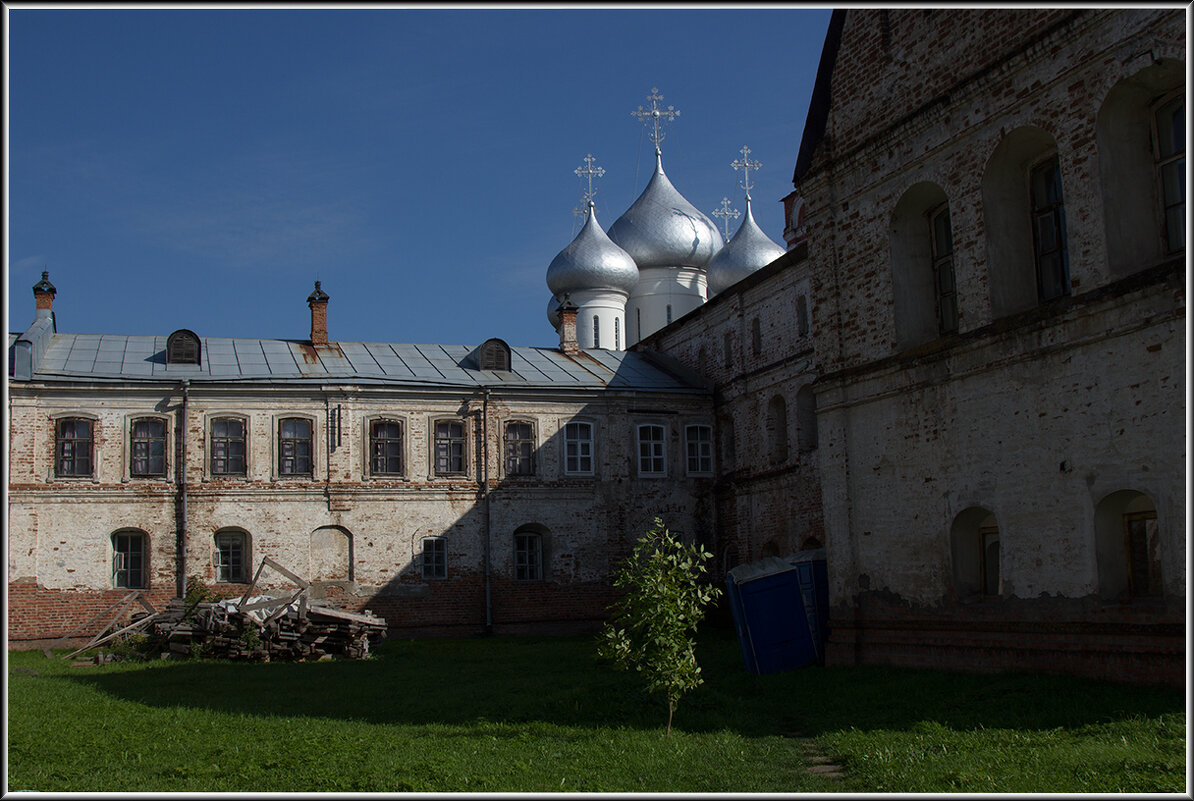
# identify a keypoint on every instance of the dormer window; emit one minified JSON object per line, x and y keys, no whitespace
{"x":182,"y":347}
{"x":494,"y":354}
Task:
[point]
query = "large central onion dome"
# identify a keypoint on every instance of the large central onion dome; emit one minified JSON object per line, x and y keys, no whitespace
{"x":591,"y":261}
{"x":748,"y":250}
{"x":662,"y":229}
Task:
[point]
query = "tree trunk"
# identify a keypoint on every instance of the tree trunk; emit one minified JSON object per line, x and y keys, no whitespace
{"x":670,"y":709}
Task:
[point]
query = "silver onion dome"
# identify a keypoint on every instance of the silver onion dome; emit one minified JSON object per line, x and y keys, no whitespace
{"x":748,"y":250}
{"x":591,"y":261}
{"x":553,"y":312}
{"x":662,"y":229}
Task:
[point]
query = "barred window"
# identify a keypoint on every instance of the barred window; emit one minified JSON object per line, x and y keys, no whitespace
{"x":520,"y":449}
{"x":294,"y":447}
{"x":385,"y":445}
{"x":942,"y":240}
{"x":231,"y":556}
{"x":435,"y":558}
{"x":128,"y":559}
{"x":651,"y":450}
{"x":148,"y":448}
{"x":578,"y":448}
{"x":228,"y":447}
{"x":73,"y":447}
{"x":699,"y":441}
{"x":449,"y":447}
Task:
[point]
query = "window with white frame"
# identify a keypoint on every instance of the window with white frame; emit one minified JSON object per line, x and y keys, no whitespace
{"x":231,"y":556}
{"x":578,"y":448}
{"x":652,"y":450}
{"x":699,"y":443}
{"x":128,"y":559}
{"x":435,"y":558}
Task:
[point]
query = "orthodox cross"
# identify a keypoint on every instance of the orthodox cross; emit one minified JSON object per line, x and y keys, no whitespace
{"x":656,"y":115}
{"x":727,"y":214}
{"x":586,"y":197}
{"x":746,"y":165}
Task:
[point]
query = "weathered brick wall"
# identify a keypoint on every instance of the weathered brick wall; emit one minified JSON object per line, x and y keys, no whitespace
{"x":764,"y":506}
{"x":60,"y":552}
{"x":1035,"y":415}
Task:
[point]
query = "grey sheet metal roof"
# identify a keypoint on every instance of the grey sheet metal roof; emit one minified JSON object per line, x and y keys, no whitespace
{"x":103,"y":357}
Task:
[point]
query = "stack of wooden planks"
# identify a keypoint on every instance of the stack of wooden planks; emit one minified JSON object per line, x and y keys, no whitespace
{"x":289,"y":629}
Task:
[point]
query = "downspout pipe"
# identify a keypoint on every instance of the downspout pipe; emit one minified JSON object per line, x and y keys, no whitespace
{"x":486,"y":499}
{"x":181,"y":472}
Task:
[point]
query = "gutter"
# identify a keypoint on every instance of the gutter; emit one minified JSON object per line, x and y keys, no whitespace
{"x":488,"y":508}
{"x":181,"y":471}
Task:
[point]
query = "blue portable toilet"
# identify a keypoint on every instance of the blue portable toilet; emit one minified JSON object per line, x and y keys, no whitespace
{"x":813,"y":576}
{"x":769,"y":616}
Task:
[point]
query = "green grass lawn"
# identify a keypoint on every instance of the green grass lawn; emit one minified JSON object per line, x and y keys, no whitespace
{"x":541,"y":715}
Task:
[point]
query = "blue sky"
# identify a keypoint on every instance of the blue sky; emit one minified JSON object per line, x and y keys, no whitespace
{"x":200,"y":168}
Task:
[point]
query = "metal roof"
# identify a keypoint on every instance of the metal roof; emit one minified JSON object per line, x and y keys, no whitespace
{"x":110,"y":357}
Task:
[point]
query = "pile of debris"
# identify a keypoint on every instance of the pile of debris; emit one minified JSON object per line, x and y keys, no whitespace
{"x":254,"y":627}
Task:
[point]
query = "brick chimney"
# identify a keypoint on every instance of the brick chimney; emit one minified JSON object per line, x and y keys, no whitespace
{"x":568,"y":342}
{"x":43,"y":296}
{"x":317,"y":302}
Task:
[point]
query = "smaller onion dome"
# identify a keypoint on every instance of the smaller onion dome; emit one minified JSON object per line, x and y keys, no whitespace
{"x":591,"y":261}
{"x":748,"y":250}
{"x":553,"y":312}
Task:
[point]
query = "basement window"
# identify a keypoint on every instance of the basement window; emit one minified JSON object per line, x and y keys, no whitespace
{"x":128,"y":559}
{"x":231,"y":551}
{"x":435,"y":558}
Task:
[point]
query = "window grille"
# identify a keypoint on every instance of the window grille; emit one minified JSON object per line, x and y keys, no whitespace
{"x":128,"y":559}
{"x":578,"y":448}
{"x":617,"y":334}
{"x":294,"y":447}
{"x":528,"y":556}
{"x":230,"y":556}
{"x":148,"y":448}
{"x":651,"y":450}
{"x":435,"y":558}
{"x":520,"y":449}
{"x":596,"y":331}
{"x":385,"y":447}
{"x":228,"y":447}
{"x":699,"y":441}
{"x":74,"y":447}
{"x":449,"y":447}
